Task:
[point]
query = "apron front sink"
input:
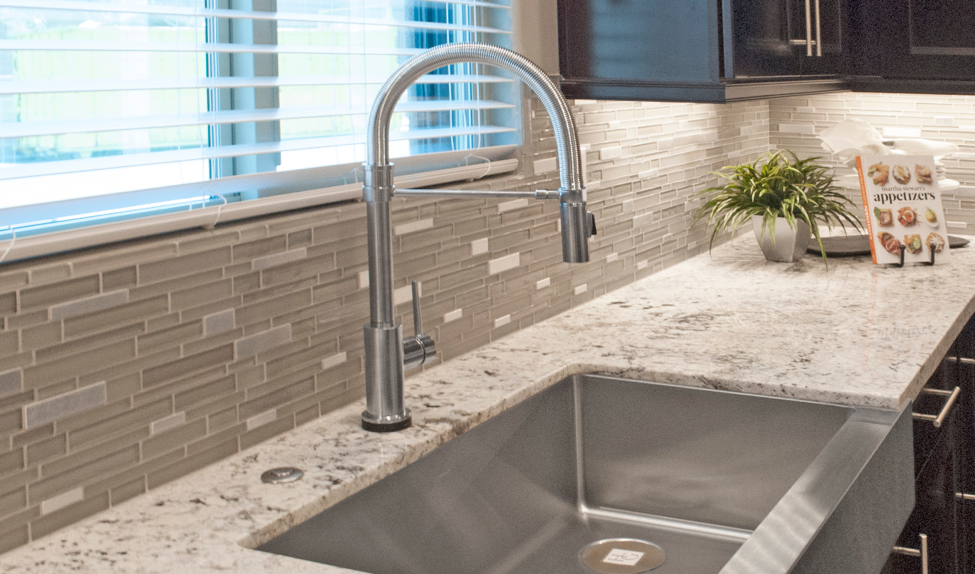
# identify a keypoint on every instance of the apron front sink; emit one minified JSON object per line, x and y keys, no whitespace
{"x":701,"y":481}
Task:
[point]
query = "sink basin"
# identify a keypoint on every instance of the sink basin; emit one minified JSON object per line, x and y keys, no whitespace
{"x":717,"y":482}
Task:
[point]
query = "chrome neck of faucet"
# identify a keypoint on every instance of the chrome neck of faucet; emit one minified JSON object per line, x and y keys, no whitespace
{"x":566,"y":140}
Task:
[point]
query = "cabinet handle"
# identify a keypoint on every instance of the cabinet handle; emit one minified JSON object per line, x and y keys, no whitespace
{"x":922,"y":553}
{"x":809,"y":51}
{"x":960,"y":360}
{"x":819,"y":39}
{"x":963,"y":496}
{"x":936,"y":420}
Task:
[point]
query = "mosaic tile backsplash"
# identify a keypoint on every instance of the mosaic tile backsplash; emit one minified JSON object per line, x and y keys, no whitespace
{"x":127,"y":366}
{"x":794,"y":123}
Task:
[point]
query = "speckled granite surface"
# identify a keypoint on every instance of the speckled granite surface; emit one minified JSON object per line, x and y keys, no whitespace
{"x":855,"y":334}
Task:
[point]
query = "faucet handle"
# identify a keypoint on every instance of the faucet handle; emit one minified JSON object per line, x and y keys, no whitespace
{"x":419,"y":349}
{"x":591,"y":221}
{"x":417,"y":321}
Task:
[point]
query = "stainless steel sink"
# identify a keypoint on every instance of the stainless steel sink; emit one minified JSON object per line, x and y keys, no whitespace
{"x":718,"y":481}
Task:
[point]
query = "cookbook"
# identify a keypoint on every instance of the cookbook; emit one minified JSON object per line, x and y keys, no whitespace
{"x":902,"y":204}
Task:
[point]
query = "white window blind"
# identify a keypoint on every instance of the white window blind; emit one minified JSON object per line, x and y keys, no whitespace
{"x":113,"y":109}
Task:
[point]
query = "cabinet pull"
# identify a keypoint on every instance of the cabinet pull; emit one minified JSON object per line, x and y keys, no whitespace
{"x":819,"y":39}
{"x":936,"y":420}
{"x":961,"y":360}
{"x":922,"y":553}
{"x":809,"y":50}
{"x":963,"y":496}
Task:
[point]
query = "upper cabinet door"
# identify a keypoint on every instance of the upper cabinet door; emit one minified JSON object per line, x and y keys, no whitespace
{"x":774,"y":38}
{"x":768,"y":39}
{"x":913,"y":39}
{"x":638,"y":40}
{"x":698,"y":50}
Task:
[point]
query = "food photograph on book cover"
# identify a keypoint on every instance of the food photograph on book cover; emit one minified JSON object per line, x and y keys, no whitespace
{"x":903,"y":208}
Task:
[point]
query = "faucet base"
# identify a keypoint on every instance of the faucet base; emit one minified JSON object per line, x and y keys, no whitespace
{"x":387,"y":425}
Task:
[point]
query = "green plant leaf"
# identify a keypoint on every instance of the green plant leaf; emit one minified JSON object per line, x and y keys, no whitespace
{"x":776,"y":185}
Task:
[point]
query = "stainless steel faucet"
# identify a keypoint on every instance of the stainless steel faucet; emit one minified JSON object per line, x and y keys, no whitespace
{"x":387,"y":355}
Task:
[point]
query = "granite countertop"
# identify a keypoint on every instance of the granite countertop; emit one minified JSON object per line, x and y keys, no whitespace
{"x":857,"y":334}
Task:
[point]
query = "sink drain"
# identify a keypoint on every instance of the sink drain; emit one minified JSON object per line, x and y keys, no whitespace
{"x":622,"y":556}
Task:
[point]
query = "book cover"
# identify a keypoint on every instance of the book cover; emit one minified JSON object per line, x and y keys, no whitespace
{"x":902,"y":203}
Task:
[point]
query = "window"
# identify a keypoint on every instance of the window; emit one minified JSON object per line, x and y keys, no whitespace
{"x":117,"y":109}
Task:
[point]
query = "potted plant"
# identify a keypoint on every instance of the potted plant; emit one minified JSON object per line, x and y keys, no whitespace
{"x":785,"y":198}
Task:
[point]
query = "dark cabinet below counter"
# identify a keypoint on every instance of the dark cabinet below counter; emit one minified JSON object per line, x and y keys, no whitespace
{"x":934,"y":531}
{"x":699,"y":50}
{"x":944,"y":514}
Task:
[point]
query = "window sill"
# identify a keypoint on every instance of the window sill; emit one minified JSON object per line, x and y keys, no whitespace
{"x":56,"y":242}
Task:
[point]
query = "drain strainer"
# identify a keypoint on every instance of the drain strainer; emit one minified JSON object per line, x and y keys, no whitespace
{"x":622,"y":556}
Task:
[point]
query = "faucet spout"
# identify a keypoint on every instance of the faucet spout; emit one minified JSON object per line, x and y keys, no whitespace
{"x":566,"y":139}
{"x":384,"y":351}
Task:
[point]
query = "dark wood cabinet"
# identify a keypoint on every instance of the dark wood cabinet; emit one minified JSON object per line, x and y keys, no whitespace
{"x":938,"y":474}
{"x":699,"y":50}
{"x":912,"y":45}
{"x":964,"y":372}
{"x":782,"y":38}
{"x":726,"y":50}
{"x":944,"y":461}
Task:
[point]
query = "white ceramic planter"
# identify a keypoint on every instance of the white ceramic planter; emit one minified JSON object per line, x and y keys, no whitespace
{"x":789,"y":245}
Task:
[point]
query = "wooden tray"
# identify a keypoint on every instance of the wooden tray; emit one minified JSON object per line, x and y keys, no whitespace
{"x":853,"y":245}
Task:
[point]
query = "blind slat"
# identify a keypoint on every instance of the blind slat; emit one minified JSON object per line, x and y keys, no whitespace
{"x":33,"y":129}
{"x":174,"y":10}
{"x":216,"y":48}
{"x":245,"y":15}
{"x":114,"y":85}
{"x":17,"y":171}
